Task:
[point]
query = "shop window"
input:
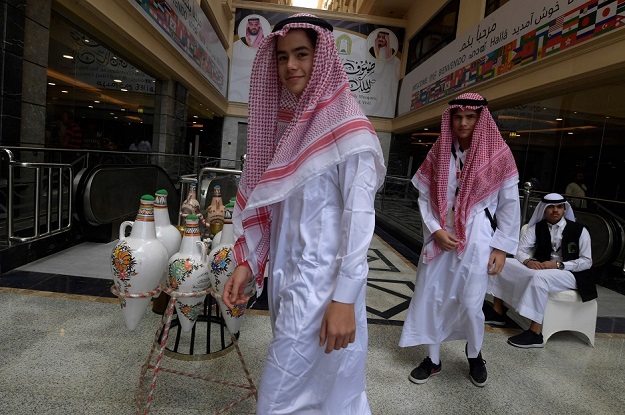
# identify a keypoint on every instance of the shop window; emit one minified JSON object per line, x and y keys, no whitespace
{"x":552,"y":139}
{"x":95,"y":97}
{"x":435,"y":35}
{"x":492,"y":5}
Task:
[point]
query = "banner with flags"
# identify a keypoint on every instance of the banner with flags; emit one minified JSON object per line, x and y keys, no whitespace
{"x":516,"y":34}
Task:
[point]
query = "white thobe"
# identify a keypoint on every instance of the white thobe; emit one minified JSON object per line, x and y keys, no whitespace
{"x":320,"y":235}
{"x":449,"y":290}
{"x":527,"y":290}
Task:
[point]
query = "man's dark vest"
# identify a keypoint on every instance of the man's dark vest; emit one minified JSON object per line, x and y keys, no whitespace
{"x":570,"y":251}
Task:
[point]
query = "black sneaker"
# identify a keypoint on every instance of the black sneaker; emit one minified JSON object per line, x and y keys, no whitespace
{"x":527,"y":340}
{"x":494,"y":318}
{"x":422,"y":373}
{"x":477,"y":368}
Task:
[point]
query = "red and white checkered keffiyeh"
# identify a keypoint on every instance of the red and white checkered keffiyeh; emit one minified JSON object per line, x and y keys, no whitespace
{"x":291,"y":140}
{"x":489,"y":163}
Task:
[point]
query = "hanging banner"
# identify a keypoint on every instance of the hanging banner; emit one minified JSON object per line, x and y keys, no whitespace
{"x":185,"y":26}
{"x":370,"y":53}
{"x":518,"y":33}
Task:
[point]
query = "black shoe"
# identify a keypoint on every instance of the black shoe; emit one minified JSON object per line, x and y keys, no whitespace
{"x":494,"y":318}
{"x":422,"y":373}
{"x":527,"y":340}
{"x":477,"y":368}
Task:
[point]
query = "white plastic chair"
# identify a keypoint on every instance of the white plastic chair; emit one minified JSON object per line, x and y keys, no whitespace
{"x":566,"y":311}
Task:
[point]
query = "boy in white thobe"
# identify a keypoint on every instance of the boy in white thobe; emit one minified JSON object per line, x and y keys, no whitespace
{"x":306,"y":203}
{"x":468,"y":179}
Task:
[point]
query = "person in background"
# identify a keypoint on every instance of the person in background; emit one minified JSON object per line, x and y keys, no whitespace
{"x":554,"y":255}
{"x":305,"y":208}
{"x":142,"y":145}
{"x":72,"y":136}
{"x":469,"y":203}
{"x":577,"y":189}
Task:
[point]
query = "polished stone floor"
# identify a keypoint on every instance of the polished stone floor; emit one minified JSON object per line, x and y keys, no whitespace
{"x":64,"y":349}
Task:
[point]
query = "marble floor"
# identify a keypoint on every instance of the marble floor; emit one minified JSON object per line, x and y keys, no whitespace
{"x":65,"y":350}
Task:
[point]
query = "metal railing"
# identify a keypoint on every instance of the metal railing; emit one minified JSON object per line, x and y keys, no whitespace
{"x":51,"y":183}
{"x":397,"y":201}
{"x":36,"y":197}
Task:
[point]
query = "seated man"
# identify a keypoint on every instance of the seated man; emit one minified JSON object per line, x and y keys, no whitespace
{"x":554,"y":255}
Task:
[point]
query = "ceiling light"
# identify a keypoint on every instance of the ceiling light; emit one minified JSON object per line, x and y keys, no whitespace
{"x":65,"y":92}
{"x":97,"y":102}
{"x":68,"y":56}
{"x":51,"y":83}
{"x":558,"y":119}
{"x":117,"y":80}
{"x":123,"y":89}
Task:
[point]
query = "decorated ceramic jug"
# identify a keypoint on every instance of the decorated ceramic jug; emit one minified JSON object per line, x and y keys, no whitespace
{"x":137,"y":262}
{"x":188,"y":272}
{"x":167,"y":233}
{"x":228,"y":209}
{"x":170,"y":236}
{"x":215,"y":212}
{"x":221,"y":262}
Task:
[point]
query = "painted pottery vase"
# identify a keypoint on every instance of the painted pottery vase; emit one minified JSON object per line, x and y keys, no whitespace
{"x":215,"y":212}
{"x":190,"y":205}
{"x":167,"y":233}
{"x":170,"y":236}
{"x":188,"y":272}
{"x":137,"y":262}
{"x":221,"y":262}
{"x":228,"y":209}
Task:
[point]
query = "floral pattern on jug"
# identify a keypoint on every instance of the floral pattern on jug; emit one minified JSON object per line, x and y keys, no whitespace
{"x":191,"y":311}
{"x":180,"y":269}
{"x":123,"y":266}
{"x":219,"y":264}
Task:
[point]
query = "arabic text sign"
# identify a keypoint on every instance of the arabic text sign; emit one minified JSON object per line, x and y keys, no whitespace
{"x":370,"y":55}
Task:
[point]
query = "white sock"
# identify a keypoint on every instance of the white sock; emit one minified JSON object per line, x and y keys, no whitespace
{"x":435,"y":353}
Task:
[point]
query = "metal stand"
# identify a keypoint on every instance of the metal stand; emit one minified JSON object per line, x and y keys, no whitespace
{"x":209,"y":332}
{"x":160,"y":342}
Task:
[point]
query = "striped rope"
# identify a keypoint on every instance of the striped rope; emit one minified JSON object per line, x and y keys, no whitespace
{"x":164,"y":328}
{"x":126,"y":294}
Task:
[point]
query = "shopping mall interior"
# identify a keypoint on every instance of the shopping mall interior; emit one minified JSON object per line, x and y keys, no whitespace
{"x":104,"y":101}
